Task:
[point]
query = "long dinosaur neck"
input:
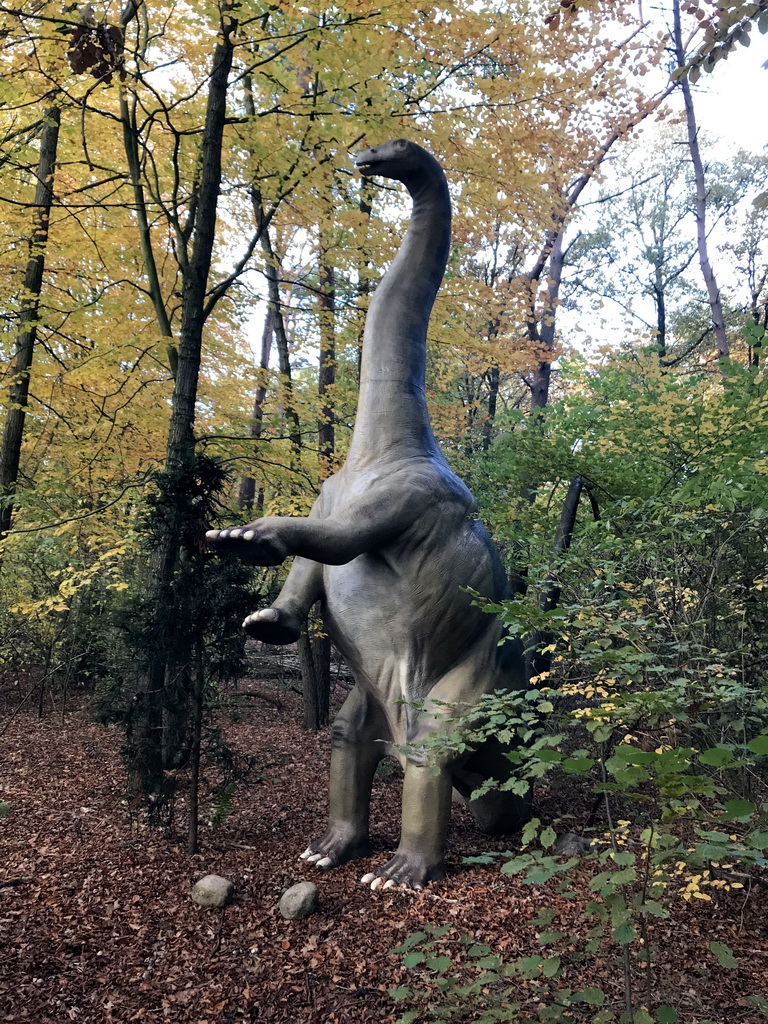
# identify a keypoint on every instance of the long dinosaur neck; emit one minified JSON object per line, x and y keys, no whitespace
{"x":392,"y":419}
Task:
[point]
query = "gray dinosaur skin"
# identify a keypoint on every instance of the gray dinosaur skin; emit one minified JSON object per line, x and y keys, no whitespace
{"x":389,"y":548}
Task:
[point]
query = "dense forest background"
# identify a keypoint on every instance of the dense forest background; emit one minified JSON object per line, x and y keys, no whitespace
{"x":187,"y":258}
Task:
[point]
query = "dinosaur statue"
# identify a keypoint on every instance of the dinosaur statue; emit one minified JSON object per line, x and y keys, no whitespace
{"x":390,"y":547}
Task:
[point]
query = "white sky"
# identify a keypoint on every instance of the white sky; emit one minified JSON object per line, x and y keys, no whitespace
{"x":732,"y":102}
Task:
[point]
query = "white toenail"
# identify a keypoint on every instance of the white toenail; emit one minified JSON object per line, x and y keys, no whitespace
{"x":376,"y":883}
{"x":324,"y":863}
{"x":248,"y":535}
{"x":314,"y":857}
{"x":389,"y":884}
{"x":308,"y":851}
{"x":367,"y":879}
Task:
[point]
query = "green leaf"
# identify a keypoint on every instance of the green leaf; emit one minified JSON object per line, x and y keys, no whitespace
{"x":412,"y":940}
{"x":409,"y":1017}
{"x":547,"y":837}
{"x":5,"y":809}
{"x":401,"y":992}
{"x":543,"y":917}
{"x":551,"y":967}
{"x":438,"y":963}
{"x":549,"y":756}
{"x":666,"y":1015}
{"x":639,"y":1017}
{"x":593,"y":996}
{"x":595,"y":909}
{"x":633,"y":755}
{"x":716,"y":756}
{"x":739,"y":808}
{"x":714,"y":836}
{"x":653,"y":907}
{"x":529,"y":965}
{"x":760,"y":1002}
{"x":604,"y":1017}
{"x":724,"y":954}
{"x":625,"y":933}
{"x":623,"y":857}
{"x":481,"y":858}
{"x":530,"y":830}
{"x":759,"y":745}
{"x":412,"y":959}
{"x":546,"y":937}
{"x":577,"y":765}
{"x":517,"y":864}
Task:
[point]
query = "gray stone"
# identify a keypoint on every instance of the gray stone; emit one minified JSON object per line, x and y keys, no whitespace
{"x":212,"y":891}
{"x":570,"y":844}
{"x":299,"y":901}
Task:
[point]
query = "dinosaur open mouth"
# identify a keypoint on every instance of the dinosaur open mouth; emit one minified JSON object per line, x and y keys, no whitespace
{"x":366,"y":159}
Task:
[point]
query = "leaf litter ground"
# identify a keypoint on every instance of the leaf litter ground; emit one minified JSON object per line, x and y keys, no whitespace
{"x":104,"y":929}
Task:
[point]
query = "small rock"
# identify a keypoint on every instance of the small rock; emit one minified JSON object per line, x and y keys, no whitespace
{"x":299,"y":901}
{"x":571,"y":845}
{"x":212,"y":891}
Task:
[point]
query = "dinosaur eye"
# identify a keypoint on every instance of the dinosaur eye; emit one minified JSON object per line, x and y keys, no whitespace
{"x":401,"y":143}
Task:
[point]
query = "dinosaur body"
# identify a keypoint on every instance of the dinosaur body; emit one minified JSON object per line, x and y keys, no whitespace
{"x":390,"y":548}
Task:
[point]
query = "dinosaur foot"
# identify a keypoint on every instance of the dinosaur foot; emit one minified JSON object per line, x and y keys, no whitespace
{"x":257,"y":543}
{"x":406,"y":870}
{"x":336,"y":847}
{"x":273,"y":626}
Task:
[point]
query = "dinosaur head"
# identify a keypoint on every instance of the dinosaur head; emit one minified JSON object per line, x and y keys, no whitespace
{"x":398,"y":159}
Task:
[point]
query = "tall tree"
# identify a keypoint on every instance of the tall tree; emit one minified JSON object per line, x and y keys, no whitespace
{"x":29,"y":312}
{"x":246,"y":497}
{"x":707,"y":272}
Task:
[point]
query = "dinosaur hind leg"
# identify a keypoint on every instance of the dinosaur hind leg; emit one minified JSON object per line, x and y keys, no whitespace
{"x":499,"y":812}
{"x":358,"y":736}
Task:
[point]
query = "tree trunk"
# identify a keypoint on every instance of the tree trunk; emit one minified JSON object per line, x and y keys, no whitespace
{"x":713,"y":292}
{"x":18,"y":395}
{"x":171,"y":655}
{"x":319,"y":679}
{"x":247,"y":491}
{"x":315,"y":664}
{"x":494,"y":375}
{"x":272,"y":274}
{"x":194,"y":759}
{"x":544,"y":336}
{"x":281,"y":339}
{"x":181,"y":438}
{"x":660,"y":301}
{"x":538,"y":662}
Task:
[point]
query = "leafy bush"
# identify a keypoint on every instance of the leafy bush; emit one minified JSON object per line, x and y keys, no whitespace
{"x":652,"y":698}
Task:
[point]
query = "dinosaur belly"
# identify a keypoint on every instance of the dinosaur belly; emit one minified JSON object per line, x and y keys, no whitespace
{"x":403,"y":622}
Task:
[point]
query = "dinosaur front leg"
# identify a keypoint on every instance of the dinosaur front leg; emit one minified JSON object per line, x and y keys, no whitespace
{"x":357,"y":748}
{"x":281,"y":623}
{"x":420,"y":856}
{"x":382,"y":513}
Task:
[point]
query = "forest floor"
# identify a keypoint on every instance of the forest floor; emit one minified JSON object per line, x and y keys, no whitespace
{"x":104,"y":929}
